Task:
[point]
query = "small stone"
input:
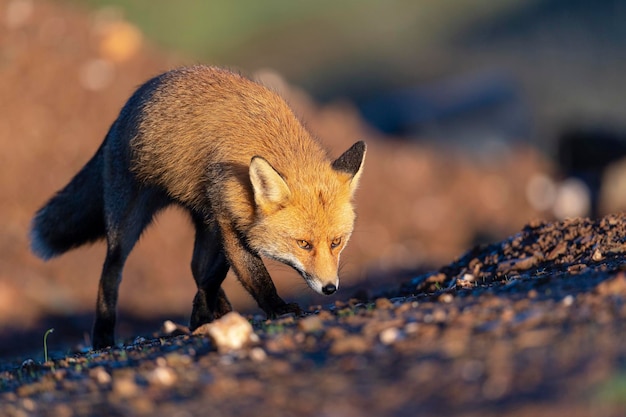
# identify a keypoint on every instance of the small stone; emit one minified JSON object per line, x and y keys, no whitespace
{"x":597,"y":255}
{"x":334,"y":333}
{"x":125,"y":386}
{"x":411,"y":328}
{"x":101,"y":376}
{"x":176,"y":360}
{"x":568,"y":300}
{"x":559,"y":250}
{"x":384,"y":304}
{"x":613,"y":286}
{"x":325,"y":315}
{"x":29,"y":404}
{"x":389,"y":336}
{"x":230,"y":332}
{"x":577,"y":268}
{"x":470,"y":278}
{"x":257,"y":354}
{"x":162,"y":375}
{"x":349,"y":344}
{"x":310,"y":324}
{"x":520,"y":264}
{"x":446,"y":298}
{"x":173,"y":329}
{"x":439,"y":315}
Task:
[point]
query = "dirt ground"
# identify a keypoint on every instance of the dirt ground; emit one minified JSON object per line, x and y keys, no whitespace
{"x":530,"y":326}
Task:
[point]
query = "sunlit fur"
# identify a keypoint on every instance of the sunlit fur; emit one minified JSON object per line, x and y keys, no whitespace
{"x":316,"y":209}
{"x":205,"y":162}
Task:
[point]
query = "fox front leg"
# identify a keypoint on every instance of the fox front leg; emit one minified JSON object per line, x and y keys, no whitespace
{"x":209,"y":267}
{"x":253,"y":275}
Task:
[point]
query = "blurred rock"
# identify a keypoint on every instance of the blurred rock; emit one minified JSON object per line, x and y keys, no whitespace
{"x":124,"y":385}
{"x":350,"y":344}
{"x":613,"y":286}
{"x":119,"y":40}
{"x":174,"y":329}
{"x":101,"y":376}
{"x":230,"y":332}
{"x":311,"y":324}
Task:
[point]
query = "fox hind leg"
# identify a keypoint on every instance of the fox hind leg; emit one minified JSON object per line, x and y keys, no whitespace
{"x":125,"y":220}
{"x":209,"y":267}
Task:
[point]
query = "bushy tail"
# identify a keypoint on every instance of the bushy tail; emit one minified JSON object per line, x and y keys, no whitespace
{"x":74,"y":216}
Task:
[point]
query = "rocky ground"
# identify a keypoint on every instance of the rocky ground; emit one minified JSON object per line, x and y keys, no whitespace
{"x":531,"y":326}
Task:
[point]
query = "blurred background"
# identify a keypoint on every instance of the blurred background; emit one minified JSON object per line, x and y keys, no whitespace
{"x":479,"y":117}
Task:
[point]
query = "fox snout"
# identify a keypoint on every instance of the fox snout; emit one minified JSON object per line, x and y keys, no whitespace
{"x":323,"y":287}
{"x":329,"y":289}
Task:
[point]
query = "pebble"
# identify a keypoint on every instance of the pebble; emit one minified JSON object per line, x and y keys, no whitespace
{"x":390,"y":336}
{"x":101,"y":376}
{"x":384,"y":304}
{"x":335,"y":332}
{"x":124,"y":385}
{"x":325,"y":315}
{"x":439,"y":315}
{"x":568,"y":300}
{"x":446,"y":298}
{"x":310,"y":324}
{"x":29,"y":404}
{"x":257,"y":354}
{"x":519,"y":264}
{"x":162,"y":375}
{"x":172,"y":329}
{"x":230,"y":332}
{"x":411,"y":328}
{"x":468,"y":278}
{"x":175,"y":359}
{"x":349,"y":344}
{"x":574,"y":269}
{"x":613,"y":286}
{"x":597,"y":255}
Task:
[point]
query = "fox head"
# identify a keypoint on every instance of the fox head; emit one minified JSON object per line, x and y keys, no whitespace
{"x":306,"y":224}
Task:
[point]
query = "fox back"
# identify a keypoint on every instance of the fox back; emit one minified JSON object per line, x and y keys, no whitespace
{"x":233,"y":154}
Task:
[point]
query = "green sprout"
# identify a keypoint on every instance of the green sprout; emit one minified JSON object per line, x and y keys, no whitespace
{"x":45,"y":344}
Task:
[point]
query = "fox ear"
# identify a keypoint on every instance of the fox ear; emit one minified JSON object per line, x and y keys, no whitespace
{"x":270,"y":189}
{"x":351,"y":164}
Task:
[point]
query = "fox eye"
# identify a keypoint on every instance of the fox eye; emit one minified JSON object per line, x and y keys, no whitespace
{"x":335,"y":242}
{"x":304,"y":244}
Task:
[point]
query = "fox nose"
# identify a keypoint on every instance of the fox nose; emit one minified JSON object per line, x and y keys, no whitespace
{"x":329,"y":289}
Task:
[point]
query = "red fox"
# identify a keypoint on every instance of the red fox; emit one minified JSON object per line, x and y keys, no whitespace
{"x":230,"y":152}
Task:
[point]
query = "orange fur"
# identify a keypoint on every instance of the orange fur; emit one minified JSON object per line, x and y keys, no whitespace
{"x":223,"y":119}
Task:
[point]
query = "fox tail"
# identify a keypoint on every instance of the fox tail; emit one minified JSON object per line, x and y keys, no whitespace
{"x":74,"y":216}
